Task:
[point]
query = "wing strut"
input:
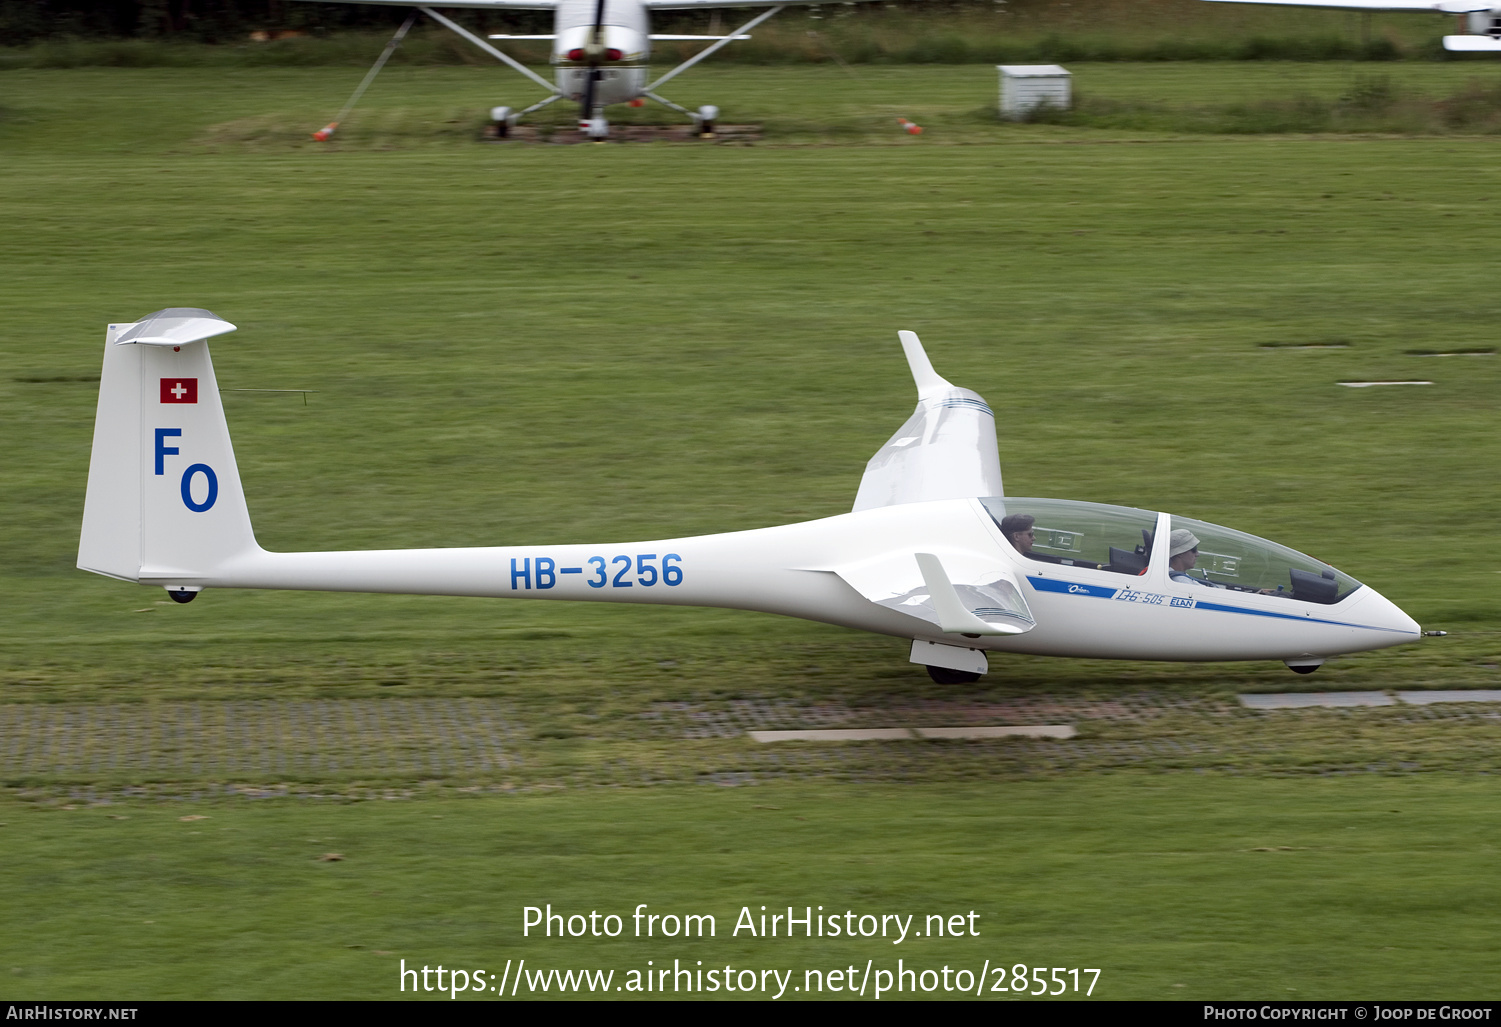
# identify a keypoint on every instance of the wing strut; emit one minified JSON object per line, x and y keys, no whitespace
{"x":324,"y":133}
{"x":503,"y":58}
{"x":726,"y":41}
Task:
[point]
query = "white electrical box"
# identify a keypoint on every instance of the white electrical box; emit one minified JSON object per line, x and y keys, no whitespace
{"x":1025,"y":87}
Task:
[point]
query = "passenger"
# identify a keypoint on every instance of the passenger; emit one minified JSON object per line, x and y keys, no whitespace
{"x":1182,"y":554}
{"x":1017,"y":529}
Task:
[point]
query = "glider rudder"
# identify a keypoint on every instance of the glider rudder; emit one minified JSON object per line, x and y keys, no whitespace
{"x":164,"y":503}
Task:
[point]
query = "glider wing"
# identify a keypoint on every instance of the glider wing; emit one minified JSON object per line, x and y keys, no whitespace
{"x":946,"y":450}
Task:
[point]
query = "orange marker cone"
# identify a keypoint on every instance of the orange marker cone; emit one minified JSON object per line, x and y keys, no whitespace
{"x":910,"y":127}
{"x":327,"y":130}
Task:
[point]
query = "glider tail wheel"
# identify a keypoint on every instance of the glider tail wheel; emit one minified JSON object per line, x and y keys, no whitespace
{"x":945,"y":676}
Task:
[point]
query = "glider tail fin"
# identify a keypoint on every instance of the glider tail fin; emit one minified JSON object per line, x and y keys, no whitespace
{"x":164,"y":503}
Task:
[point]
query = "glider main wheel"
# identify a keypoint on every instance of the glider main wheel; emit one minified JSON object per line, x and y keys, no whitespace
{"x":945,"y":676}
{"x":1303,"y":668}
{"x":182,"y":595}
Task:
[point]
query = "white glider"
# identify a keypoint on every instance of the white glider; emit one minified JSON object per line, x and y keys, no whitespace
{"x":921,"y":556}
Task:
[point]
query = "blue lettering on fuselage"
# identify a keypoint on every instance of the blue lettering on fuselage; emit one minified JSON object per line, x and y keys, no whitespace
{"x":1130,"y":595}
{"x":642,"y":570}
{"x":1072,"y":588}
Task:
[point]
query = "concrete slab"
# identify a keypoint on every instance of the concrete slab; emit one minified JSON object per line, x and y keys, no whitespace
{"x":1453,"y":695}
{"x":859,"y":734}
{"x":891,"y":734}
{"x":1301,"y":700}
{"x":1021,"y":730}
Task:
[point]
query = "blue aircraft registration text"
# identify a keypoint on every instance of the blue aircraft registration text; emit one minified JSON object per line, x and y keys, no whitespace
{"x":621,"y":571}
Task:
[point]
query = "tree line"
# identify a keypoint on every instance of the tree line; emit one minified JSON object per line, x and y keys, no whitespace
{"x":229,"y":21}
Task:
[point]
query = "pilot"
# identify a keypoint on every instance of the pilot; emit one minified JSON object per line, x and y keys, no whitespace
{"x":1017,"y":529}
{"x":1182,"y":554}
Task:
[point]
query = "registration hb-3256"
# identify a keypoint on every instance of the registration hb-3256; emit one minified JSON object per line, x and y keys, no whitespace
{"x":643,"y":570}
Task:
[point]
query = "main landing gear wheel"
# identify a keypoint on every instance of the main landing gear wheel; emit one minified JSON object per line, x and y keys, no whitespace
{"x":1304,"y":666}
{"x":501,"y":117}
{"x":596,"y":128}
{"x":182,"y":595}
{"x":703,"y":121}
{"x":945,"y":676}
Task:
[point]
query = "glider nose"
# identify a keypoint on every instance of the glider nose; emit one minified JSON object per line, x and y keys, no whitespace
{"x":1379,"y":612}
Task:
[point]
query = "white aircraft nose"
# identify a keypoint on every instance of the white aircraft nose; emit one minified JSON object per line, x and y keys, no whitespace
{"x":1374,"y":610}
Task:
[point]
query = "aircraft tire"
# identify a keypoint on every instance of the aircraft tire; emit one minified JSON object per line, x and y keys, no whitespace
{"x":1304,"y":669}
{"x":705,"y":118}
{"x":945,"y":676}
{"x":182,"y":595}
{"x":500,"y":117}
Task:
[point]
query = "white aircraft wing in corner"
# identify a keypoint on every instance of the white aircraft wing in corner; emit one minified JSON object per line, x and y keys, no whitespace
{"x":686,"y":5}
{"x":946,"y":450}
{"x":1441,"y":6}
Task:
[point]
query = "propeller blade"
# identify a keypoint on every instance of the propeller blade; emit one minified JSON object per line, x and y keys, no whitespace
{"x":594,"y":52}
{"x":589,"y":86}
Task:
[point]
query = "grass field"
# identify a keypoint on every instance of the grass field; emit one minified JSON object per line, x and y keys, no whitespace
{"x":1308,"y":879}
{"x":556,"y":344}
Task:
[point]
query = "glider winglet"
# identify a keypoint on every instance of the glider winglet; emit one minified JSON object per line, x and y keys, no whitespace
{"x":952,"y":616}
{"x":929,"y":382}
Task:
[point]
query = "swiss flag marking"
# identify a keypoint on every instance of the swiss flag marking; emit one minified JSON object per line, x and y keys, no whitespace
{"x":179,"y":390}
